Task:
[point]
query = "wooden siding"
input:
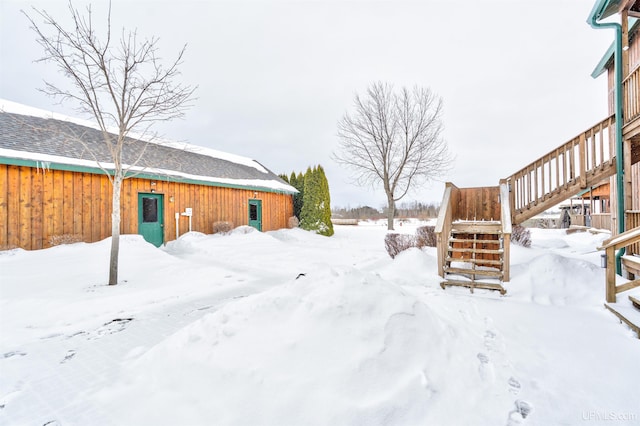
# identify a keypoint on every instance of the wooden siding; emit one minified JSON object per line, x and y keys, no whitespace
{"x":634,"y":51}
{"x":477,"y":204}
{"x":37,"y":204}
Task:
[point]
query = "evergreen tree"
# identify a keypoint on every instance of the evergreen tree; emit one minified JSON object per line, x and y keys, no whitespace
{"x":297,"y":181}
{"x":326,"y":202}
{"x":316,"y":205}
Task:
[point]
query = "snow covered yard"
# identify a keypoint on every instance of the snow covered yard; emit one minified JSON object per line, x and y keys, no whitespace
{"x":225,"y":330}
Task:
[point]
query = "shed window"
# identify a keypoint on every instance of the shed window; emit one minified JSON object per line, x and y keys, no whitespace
{"x":253,"y":212}
{"x":149,"y":209}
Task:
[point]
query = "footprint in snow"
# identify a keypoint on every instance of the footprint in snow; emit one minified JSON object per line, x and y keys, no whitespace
{"x":486,"y":370}
{"x":514,"y":385}
{"x":70,"y":354}
{"x":12,"y":354}
{"x":522,"y":411}
{"x":114,"y":326}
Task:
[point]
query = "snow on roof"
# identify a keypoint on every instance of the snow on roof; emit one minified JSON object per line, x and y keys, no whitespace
{"x":16,"y":108}
{"x":44,"y":161}
{"x":47,"y":137}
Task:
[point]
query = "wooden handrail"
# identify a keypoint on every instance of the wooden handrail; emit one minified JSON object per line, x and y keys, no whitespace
{"x":631,"y":98}
{"x":584,"y":160}
{"x":622,"y":240}
{"x":443,"y":226}
{"x":505,"y":208}
{"x":445,"y":209}
{"x":611,"y":246}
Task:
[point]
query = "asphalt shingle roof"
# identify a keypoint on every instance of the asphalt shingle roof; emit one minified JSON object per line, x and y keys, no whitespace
{"x":61,"y":138}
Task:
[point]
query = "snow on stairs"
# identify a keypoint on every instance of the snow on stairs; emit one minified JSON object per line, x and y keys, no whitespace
{"x":628,"y":312}
{"x":475,"y":256}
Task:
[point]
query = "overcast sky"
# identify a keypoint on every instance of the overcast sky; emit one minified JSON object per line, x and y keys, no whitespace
{"x":275,"y":77}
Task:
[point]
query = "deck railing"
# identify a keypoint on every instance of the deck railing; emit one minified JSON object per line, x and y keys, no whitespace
{"x":443,"y":223}
{"x":631,"y":90}
{"x":601,"y":220}
{"x":583,"y":161}
{"x":632,"y":220}
{"x":611,"y":247}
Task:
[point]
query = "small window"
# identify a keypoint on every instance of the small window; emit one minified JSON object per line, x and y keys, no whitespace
{"x":253,"y":212}
{"x":149,"y":210}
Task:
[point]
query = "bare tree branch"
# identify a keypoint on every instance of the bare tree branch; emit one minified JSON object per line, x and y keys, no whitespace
{"x":394,"y":139}
{"x":122,"y":86}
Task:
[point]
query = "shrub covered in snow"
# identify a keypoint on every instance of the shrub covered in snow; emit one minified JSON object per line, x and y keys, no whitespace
{"x":222,"y":227}
{"x":396,"y":243}
{"x":56,"y":240}
{"x":293,"y":222}
{"x":426,"y":236}
{"x":521,"y":236}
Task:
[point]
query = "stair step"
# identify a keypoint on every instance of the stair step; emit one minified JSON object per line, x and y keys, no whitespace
{"x":476,"y":228}
{"x":468,"y":240}
{"x":484,"y":272}
{"x":627,"y":314}
{"x":472,"y":250}
{"x":635,"y":301}
{"x":472,"y":285}
{"x":487,"y":261}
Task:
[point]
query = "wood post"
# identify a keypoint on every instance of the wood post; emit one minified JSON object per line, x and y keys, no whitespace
{"x":506,"y":257}
{"x":582,"y":158}
{"x":611,"y":275}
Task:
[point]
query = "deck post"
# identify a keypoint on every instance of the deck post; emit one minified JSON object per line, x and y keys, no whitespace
{"x":611,"y":275}
{"x":506,"y":258}
{"x":582,"y":154}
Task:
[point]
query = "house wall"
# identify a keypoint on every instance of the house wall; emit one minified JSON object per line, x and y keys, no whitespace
{"x":634,"y":51}
{"x":633,"y":57}
{"x":37,"y":204}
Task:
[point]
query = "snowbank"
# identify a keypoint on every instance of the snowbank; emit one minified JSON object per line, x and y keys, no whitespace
{"x":327,"y":349}
{"x":289,"y":327}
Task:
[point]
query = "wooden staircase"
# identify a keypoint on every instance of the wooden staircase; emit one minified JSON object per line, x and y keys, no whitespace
{"x":474,"y":224}
{"x":627,"y":309}
{"x":473,"y":233}
{"x":628,"y":312}
{"x":584,"y":161}
{"x":475,"y":254}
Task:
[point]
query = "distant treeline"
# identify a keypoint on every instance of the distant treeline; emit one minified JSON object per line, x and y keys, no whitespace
{"x":403,"y":210}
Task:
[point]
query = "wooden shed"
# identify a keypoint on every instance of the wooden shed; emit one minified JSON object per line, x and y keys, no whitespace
{"x":54,"y":184}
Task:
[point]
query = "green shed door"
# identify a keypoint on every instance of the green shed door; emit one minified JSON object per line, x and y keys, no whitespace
{"x":151,"y":218}
{"x":255,"y":214}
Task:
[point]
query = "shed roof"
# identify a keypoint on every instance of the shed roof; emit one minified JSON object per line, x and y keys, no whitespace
{"x":34,"y":137}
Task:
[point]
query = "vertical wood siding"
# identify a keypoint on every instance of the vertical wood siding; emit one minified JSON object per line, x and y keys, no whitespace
{"x":37,"y":204}
{"x":477,"y":204}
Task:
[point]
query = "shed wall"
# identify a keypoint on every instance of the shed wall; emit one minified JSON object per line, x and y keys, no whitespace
{"x":37,"y":204}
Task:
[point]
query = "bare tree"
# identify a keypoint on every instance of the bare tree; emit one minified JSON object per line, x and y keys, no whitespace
{"x":393,"y":139}
{"x":121,"y":84}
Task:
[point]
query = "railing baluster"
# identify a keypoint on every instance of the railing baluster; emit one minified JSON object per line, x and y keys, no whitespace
{"x":543,"y":178}
{"x":582,"y":158}
{"x":535,"y":182}
{"x":575,"y":162}
{"x":557,"y":169}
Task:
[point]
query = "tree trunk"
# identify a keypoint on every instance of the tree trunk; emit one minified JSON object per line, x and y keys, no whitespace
{"x":391,"y":211}
{"x":115,"y":230}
